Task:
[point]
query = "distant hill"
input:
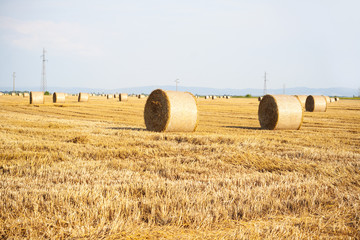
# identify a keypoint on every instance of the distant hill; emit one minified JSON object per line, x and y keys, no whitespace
{"x":341,"y":92}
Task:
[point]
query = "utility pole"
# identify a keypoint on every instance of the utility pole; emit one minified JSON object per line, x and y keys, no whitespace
{"x":43,"y":76}
{"x":265,"y":90}
{"x":14,"y":81}
{"x":177,"y":81}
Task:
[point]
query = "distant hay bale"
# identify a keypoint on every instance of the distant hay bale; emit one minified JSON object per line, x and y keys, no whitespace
{"x":20,"y":94}
{"x":337,"y":99}
{"x":123,"y":97}
{"x":206,"y":97}
{"x":116,"y":96}
{"x":37,"y":98}
{"x":83,"y":97}
{"x":1,"y":93}
{"x":140,"y":96}
{"x":26,"y":94}
{"x":332,"y":100}
{"x":13,"y":94}
{"x":213,"y":97}
{"x":59,"y":97}
{"x":316,"y":104}
{"x":302,"y":99}
{"x":171,"y":111}
{"x":280,"y":112}
{"x":227,"y":97}
{"x":109,"y":96}
{"x":259,"y":99}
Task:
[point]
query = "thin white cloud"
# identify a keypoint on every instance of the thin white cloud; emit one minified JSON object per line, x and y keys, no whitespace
{"x":62,"y":37}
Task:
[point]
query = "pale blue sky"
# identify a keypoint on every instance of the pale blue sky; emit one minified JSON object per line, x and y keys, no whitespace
{"x":211,"y":43}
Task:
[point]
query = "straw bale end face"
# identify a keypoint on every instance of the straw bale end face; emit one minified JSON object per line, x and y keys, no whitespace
{"x":170,"y":111}
{"x":280,"y":112}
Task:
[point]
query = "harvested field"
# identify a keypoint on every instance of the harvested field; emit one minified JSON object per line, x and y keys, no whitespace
{"x":91,"y":170}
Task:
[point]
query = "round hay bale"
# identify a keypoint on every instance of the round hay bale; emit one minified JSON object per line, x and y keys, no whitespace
{"x":259,"y":99}
{"x":206,"y":97}
{"x":59,"y":97}
{"x":337,"y":99}
{"x":141,"y":96}
{"x":13,"y":94}
{"x":109,"y":96}
{"x":280,"y":112}
{"x":37,"y":98}
{"x":302,"y":99}
{"x":332,"y":99}
{"x":116,"y":96}
{"x":1,"y":94}
{"x":213,"y":97}
{"x":327,"y":99}
{"x":83,"y":97}
{"x":316,"y":104}
{"x":171,"y":111}
{"x":26,"y":94}
{"x":123,"y":97}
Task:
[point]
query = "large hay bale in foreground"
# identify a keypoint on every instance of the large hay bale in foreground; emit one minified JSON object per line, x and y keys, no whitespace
{"x":279,"y":112}
{"x":302,"y":99}
{"x":316,"y":104}
{"x":59,"y":97}
{"x":37,"y":98}
{"x":171,"y":111}
{"x":83,"y":97}
{"x":123,"y":97}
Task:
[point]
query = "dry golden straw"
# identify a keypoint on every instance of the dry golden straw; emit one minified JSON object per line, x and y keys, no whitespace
{"x":302,"y":99}
{"x":37,"y":98}
{"x":83,"y":97}
{"x":123,"y":97}
{"x":171,"y":111}
{"x":58,"y":97}
{"x":316,"y":104}
{"x":280,"y":112}
{"x":26,"y":94}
